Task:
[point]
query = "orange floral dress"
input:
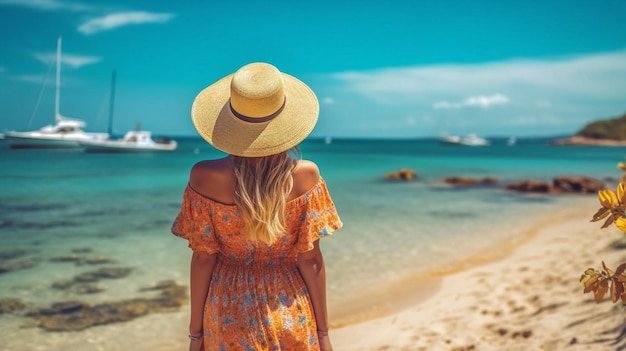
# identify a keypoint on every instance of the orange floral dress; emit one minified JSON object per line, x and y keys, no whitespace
{"x":257,"y":299}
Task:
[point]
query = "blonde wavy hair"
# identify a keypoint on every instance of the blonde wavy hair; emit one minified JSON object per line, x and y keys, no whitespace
{"x":261,"y":190}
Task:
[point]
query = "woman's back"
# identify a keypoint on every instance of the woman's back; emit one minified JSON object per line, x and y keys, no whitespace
{"x":215,"y":179}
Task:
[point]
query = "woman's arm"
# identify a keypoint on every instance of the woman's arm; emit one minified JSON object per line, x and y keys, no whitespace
{"x":311,"y":266}
{"x":202,"y":264}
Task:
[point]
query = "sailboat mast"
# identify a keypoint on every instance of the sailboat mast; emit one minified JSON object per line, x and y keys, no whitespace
{"x":112,"y":102}
{"x":57,"y":95}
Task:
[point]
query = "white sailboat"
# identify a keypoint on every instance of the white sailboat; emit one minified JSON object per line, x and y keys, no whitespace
{"x":65,"y":133}
{"x":134,"y":141}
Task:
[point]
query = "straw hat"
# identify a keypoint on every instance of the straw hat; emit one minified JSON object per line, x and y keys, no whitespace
{"x":257,"y":111}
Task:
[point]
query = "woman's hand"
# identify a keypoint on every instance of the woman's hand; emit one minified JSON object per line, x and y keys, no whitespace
{"x":324,"y":341}
{"x":196,"y":345}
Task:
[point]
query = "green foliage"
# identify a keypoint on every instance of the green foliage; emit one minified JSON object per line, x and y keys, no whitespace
{"x":614,"y":129}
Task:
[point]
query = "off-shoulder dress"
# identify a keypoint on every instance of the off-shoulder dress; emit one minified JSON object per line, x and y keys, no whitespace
{"x":257,"y":299}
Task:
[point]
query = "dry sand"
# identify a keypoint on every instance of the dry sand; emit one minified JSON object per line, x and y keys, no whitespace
{"x":529,"y":298}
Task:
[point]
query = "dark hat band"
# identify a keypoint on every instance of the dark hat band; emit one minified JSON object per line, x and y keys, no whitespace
{"x":258,"y":119}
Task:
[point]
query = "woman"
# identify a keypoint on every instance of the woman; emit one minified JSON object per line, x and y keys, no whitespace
{"x":253,"y":219}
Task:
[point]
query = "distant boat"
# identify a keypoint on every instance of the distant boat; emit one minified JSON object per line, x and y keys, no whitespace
{"x":65,"y":133}
{"x":511,"y":141}
{"x":469,"y":140}
{"x":328,"y":140}
{"x":134,"y":141}
{"x":450,"y":139}
{"x":474,"y":140}
{"x":138,"y":141}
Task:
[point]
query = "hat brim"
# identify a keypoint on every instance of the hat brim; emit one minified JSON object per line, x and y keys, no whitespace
{"x":214,"y":120}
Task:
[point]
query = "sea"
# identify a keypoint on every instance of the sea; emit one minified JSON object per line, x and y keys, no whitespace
{"x":57,"y":204}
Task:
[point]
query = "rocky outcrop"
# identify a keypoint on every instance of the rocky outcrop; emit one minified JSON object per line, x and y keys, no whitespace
{"x":103,"y":273}
{"x":80,"y":259}
{"x":530,"y":186}
{"x":10,"y":305}
{"x":76,"y":315}
{"x":12,"y":260}
{"x":582,"y":185}
{"x":402,"y":174}
{"x":11,"y":254}
{"x":14,"y":265}
{"x":463,"y":181}
{"x":560,"y":185}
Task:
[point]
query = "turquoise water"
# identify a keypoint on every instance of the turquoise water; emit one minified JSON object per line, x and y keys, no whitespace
{"x":121,"y":206}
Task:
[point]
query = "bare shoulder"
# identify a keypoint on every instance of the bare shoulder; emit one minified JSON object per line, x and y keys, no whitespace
{"x":208,"y":167}
{"x":305,"y":177}
{"x":212,"y":178}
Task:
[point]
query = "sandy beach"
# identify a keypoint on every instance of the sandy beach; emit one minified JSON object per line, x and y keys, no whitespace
{"x":529,"y":298}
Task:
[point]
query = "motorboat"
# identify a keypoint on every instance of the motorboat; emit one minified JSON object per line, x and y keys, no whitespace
{"x":64,"y":133}
{"x":447,"y":139}
{"x":137,"y":141}
{"x":469,"y":140}
{"x":474,"y":140}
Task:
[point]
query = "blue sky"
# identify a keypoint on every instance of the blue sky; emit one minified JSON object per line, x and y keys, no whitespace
{"x":380,"y":68}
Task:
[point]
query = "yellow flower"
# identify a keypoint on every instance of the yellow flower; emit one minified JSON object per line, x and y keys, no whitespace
{"x":620,"y":223}
{"x":608,"y":199}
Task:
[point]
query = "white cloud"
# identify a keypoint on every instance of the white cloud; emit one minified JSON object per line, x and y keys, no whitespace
{"x":78,"y":61}
{"x":328,"y":101}
{"x":475,"y":101}
{"x":49,"y":5}
{"x":597,"y":75}
{"x":120,"y":19}
{"x":74,"y":61}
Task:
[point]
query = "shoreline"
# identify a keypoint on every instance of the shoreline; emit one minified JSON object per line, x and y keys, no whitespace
{"x":398,"y":295}
{"x":529,"y":298}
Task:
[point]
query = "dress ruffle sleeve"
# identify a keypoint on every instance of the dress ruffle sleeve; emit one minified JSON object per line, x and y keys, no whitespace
{"x":194,"y":223}
{"x":318,"y":217}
